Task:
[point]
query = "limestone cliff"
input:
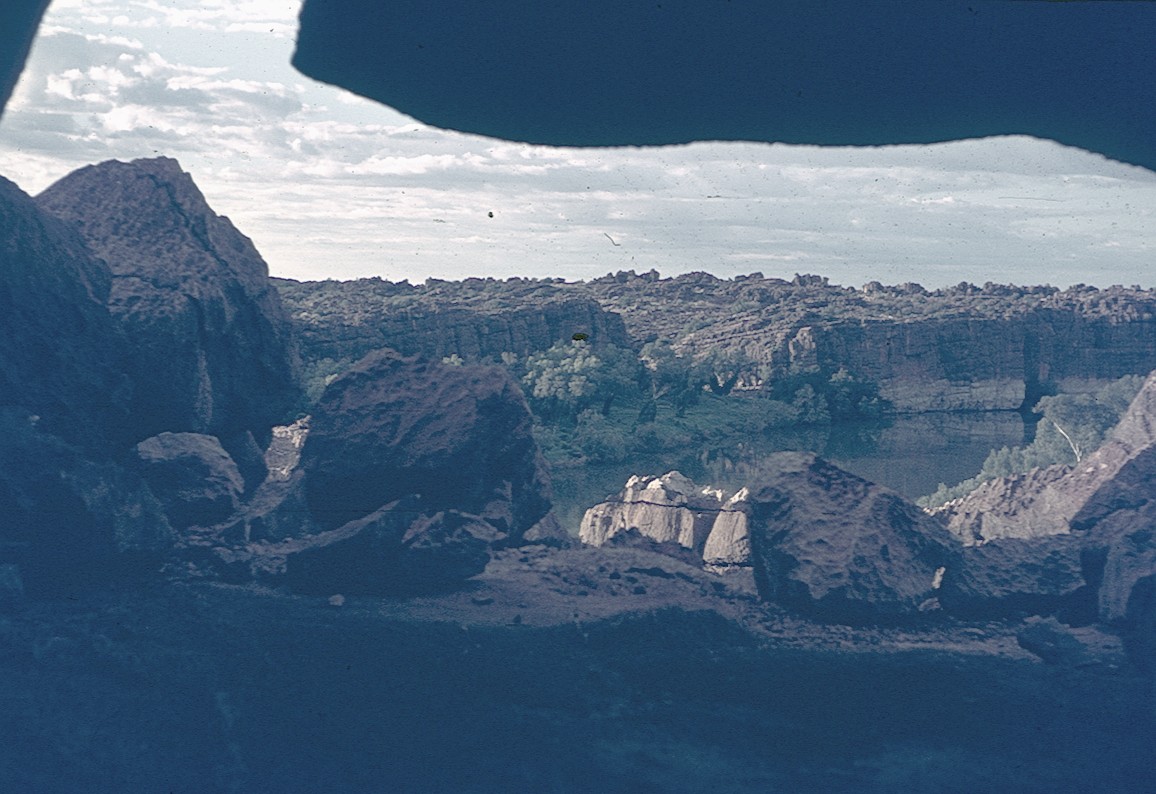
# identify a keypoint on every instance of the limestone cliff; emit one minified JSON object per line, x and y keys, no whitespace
{"x":960,"y":348}
{"x":476,"y":319}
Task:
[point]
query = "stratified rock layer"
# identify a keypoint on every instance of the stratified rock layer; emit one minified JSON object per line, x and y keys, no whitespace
{"x":476,"y":319}
{"x":211,"y":346}
{"x":671,"y":511}
{"x":666,"y":509}
{"x":729,"y":543}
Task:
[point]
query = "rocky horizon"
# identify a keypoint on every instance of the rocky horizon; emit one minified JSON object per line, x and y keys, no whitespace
{"x":192,"y":523}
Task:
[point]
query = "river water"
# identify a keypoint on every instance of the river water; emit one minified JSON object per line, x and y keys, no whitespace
{"x":910,"y":454}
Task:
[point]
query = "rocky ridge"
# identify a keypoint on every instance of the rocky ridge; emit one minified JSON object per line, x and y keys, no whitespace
{"x":149,"y":358}
{"x":968,"y":347}
{"x":476,"y":319}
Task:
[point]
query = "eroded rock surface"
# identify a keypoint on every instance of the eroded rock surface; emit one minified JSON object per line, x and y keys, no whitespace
{"x":827,"y":543}
{"x":1010,"y":576}
{"x":61,"y":355}
{"x":1119,"y":476}
{"x":193,"y":476}
{"x":673,"y":513}
{"x":729,"y":543}
{"x":211,"y":345}
{"x":666,"y":509}
{"x":457,"y":436}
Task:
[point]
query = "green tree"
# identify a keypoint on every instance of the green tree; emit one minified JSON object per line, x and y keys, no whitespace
{"x":569,"y":378}
{"x":669,"y":376}
{"x":1070,"y":426}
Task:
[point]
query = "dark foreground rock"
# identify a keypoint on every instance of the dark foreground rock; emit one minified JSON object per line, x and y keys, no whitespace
{"x":68,"y":522}
{"x":829,"y":544}
{"x":457,"y":436}
{"x":61,"y":355}
{"x":211,"y":344}
{"x":404,"y":481}
{"x":397,"y":549}
{"x":195,"y":479}
{"x":1097,"y":518}
{"x":1051,"y":575}
{"x":195,"y":688}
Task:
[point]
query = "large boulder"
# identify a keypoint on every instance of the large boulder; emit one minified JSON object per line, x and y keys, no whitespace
{"x":1125,"y":544}
{"x":69,"y":522}
{"x":211,"y":345}
{"x":193,"y":476}
{"x":460,"y":437}
{"x":61,"y":355}
{"x":834,"y":546}
{"x":1038,"y":576}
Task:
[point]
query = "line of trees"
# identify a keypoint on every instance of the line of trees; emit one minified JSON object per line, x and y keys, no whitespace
{"x":1069,"y":427}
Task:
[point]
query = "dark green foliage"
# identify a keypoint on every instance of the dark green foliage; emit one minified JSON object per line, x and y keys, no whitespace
{"x":1070,"y":426}
{"x":822,"y":396}
{"x":565,"y":380}
{"x":319,"y":373}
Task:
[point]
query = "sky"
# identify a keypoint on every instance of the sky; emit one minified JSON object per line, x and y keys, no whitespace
{"x":329,"y":185}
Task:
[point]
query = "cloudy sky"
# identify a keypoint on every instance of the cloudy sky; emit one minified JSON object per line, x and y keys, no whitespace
{"x":332,"y":186}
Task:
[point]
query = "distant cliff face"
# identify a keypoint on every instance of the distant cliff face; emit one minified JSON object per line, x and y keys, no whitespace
{"x":960,"y":348}
{"x":212,"y":348}
{"x":477,"y":319}
{"x":948,"y":364}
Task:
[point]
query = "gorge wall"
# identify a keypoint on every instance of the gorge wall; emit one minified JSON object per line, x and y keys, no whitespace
{"x":476,"y":319}
{"x":995,"y":347}
{"x":957,"y":363}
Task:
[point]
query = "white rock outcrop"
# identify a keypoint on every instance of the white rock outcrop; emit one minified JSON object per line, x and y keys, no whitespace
{"x":673,"y":509}
{"x":729,"y":543}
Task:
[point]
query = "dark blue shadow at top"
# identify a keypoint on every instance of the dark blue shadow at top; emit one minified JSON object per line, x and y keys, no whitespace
{"x":833,"y":72}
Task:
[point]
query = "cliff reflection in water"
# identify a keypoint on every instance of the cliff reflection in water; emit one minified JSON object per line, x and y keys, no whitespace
{"x":911,"y":454}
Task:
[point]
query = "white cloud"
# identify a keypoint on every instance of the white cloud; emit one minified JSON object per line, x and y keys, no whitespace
{"x":329,"y":185}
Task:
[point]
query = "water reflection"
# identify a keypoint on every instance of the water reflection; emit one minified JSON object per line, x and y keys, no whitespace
{"x":911,"y":454}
